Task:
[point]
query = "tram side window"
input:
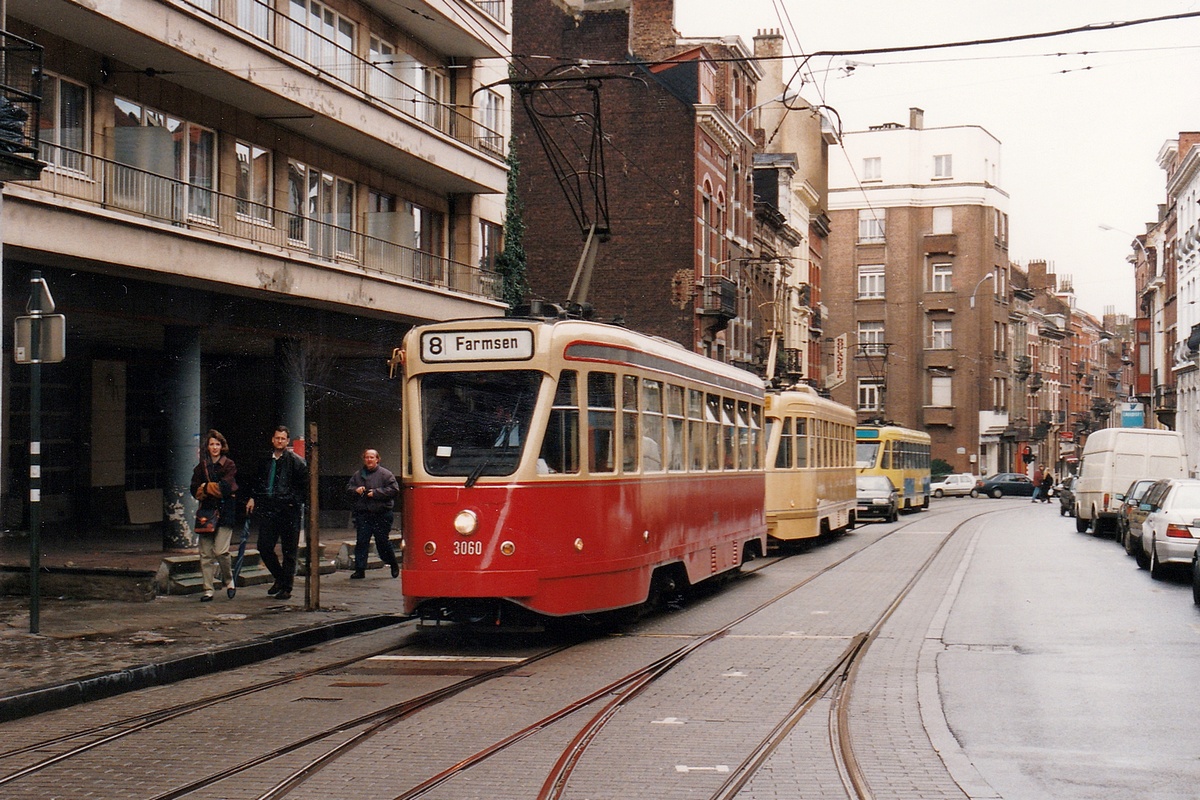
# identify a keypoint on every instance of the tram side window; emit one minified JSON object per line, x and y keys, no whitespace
{"x":602,"y":418}
{"x":652,"y":426}
{"x":560,"y":445}
{"x":712,"y":415}
{"x":757,"y":440}
{"x":729,"y":433}
{"x":629,"y":423}
{"x":675,"y":427}
{"x":802,"y":443}
{"x":696,"y":435}
{"x":743,"y":434}
{"x":783,"y":456}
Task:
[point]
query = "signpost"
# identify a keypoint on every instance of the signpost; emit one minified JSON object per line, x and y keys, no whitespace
{"x":40,"y":337}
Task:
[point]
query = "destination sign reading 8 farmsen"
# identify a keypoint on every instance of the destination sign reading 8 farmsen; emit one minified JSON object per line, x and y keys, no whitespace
{"x":484,"y":345}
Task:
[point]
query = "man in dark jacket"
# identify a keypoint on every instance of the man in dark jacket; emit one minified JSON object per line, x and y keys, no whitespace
{"x":374,"y":490}
{"x":279,"y":493}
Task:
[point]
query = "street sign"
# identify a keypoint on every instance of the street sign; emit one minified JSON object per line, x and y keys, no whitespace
{"x":40,"y":339}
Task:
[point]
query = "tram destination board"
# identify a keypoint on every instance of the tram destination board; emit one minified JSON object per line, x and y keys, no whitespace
{"x":512,"y":344}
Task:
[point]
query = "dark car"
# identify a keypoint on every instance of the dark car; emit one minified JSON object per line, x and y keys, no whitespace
{"x":1130,"y":516}
{"x":877,"y":497}
{"x":1066,"y":496}
{"x":1004,"y":484}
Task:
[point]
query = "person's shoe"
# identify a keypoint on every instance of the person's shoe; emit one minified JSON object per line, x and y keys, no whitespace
{"x":357,"y":575}
{"x":283,"y":594}
{"x":230,"y":590}
{"x":206,"y":597}
{"x":275,"y":588}
{"x":395,"y":570}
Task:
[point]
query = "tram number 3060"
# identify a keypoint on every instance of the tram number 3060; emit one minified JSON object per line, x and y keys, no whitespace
{"x":468,"y":548}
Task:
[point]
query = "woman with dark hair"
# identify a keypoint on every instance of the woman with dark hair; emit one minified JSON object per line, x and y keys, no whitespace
{"x":214,"y":485}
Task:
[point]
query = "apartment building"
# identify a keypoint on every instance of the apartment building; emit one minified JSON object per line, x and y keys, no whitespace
{"x":917,"y":278}
{"x":245,"y":204}
{"x":1181,"y":161}
{"x":677,"y":170}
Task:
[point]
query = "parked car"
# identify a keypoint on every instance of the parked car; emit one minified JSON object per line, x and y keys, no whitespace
{"x":1130,"y":515}
{"x":1196,"y":578}
{"x":877,"y":497}
{"x":1066,"y":497}
{"x":1169,"y":532}
{"x":1004,"y":484}
{"x":957,"y":485}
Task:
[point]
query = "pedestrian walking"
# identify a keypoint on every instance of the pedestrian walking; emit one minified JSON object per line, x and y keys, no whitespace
{"x":280,"y":487}
{"x":374,"y":491}
{"x":1037,"y":485}
{"x":1046,"y":485}
{"x":214,"y":485}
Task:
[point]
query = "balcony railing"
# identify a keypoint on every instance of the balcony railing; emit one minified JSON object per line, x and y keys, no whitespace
{"x":112,"y":185}
{"x":719,"y":297}
{"x":336,"y":62}
{"x":20,"y":107}
{"x":493,"y":8}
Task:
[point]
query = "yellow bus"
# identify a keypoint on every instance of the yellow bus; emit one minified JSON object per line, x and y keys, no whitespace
{"x":900,"y":454}
{"x":810,"y":465}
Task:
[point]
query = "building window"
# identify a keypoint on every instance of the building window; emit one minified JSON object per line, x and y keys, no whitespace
{"x":941,"y":278}
{"x":253,"y":16}
{"x":870,"y":339}
{"x":943,"y":220}
{"x":870,"y":394}
{"x":253,"y":181}
{"x":943,"y":167}
{"x":870,"y":280}
{"x":870,"y":225}
{"x":940,"y":334}
{"x":321,"y":209}
{"x":491,"y":120}
{"x":1000,"y":394}
{"x":64,"y":122}
{"x":872,"y":169}
{"x":322,"y":37}
{"x":939,"y":391}
{"x":160,"y":144}
{"x":491,"y":239}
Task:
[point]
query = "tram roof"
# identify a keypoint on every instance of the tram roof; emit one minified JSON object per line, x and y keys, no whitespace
{"x":586,"y":340}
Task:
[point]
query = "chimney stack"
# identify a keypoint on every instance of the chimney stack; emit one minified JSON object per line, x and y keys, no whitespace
{"x":916,"y":119}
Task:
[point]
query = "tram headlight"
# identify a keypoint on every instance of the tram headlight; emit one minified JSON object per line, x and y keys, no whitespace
{"x":466,"y":522}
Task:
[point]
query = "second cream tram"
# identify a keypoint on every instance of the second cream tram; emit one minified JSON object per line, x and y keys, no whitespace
{"x":810,"y":465}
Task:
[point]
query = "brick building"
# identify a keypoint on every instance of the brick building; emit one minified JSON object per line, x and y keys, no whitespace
{"x":678,"y":170}
{"x":917,"y":278}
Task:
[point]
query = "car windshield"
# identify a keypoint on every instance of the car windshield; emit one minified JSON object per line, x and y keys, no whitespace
{"x":476,"y":423}
{"x":874,"y":483}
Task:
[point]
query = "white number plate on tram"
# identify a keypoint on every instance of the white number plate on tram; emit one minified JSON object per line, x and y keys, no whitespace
{"x":503,"y":345}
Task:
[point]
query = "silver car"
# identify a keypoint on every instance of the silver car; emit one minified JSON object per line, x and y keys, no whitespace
{"x":1169,"y":530}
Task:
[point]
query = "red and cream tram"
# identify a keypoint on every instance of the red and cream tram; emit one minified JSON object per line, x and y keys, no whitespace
{"x":569,"y":467}
{"x":810,"y":465}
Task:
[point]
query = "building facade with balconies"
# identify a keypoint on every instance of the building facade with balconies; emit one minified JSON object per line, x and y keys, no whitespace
{"x":1183,"y":197}
{"x":245,"y":205}
{"x":917,"y":278}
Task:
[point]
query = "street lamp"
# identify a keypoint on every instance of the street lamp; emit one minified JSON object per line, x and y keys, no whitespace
{"x":981,"y":280}
{"x":1133,"y":237}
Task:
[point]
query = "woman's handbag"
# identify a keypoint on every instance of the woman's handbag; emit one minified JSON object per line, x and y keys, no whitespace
{"x":207,"y":520}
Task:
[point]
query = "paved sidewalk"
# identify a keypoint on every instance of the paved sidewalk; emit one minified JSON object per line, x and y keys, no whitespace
{"x":93,"y":648}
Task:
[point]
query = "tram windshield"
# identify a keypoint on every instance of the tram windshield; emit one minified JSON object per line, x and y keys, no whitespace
{"x":866,"y":454}
{"x":476,"y":423}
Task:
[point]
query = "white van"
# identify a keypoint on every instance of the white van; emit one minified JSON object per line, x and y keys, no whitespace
{"x":1113,"y":458}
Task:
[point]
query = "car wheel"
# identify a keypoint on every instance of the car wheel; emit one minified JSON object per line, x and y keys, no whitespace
{"x":997,"y":494}
{"x":974,"y":493}
{"x":1195,"y":581}
{"x":1129,"y":542}
{"x":1156,"y":567}
{"x":938,"y":493}
{"x":1143,"y":560}
{"x":1082,"y":524}
{"x":894,"y":516}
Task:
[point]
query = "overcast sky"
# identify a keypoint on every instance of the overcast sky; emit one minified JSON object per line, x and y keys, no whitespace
{"x":1080,"y":118}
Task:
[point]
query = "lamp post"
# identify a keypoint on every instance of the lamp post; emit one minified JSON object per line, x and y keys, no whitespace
{"x":990,"y":275}
{"x":1132,"y":237}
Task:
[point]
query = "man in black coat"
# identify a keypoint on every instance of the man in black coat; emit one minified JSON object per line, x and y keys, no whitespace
{"x":279,"y":493}
{"x":374,"y":490}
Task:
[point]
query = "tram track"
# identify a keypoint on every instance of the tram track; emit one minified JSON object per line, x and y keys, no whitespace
{"x":603,"y":703}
